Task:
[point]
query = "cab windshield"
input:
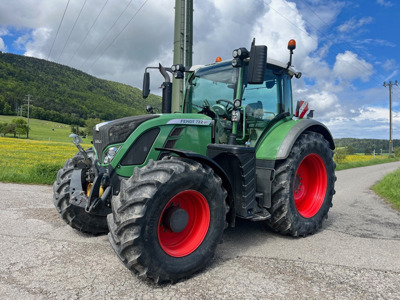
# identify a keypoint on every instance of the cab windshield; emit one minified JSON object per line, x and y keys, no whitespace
{"x":213,"y":89}
{"x":210,"y":86}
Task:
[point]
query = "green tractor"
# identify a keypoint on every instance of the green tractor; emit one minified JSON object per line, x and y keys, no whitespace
{"x":165,"y":186}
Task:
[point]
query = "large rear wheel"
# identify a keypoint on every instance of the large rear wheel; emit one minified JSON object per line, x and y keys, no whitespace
{"x":303,"y":187}
{"x":168,"y":219}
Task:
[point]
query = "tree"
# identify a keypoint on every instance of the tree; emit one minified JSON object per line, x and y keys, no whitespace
{"x":21,"y":127}
{"x":90,"y":123}
{"x":3,"y":128}
{"x":10,"y":128}
{"x":368,"y":151}
{"x":75,"y":129}
{"x":5,"y":108}
{"x":350,"y":150}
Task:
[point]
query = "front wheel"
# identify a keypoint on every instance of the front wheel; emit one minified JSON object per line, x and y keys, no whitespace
{"x":168,"y":219}
{"x":303,"y":187}
{"x":75,"y":216}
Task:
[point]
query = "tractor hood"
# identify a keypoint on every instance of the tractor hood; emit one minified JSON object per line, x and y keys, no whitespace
{"x":116,"y":131}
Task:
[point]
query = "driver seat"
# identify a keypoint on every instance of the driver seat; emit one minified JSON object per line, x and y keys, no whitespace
{"x":255,"y":110}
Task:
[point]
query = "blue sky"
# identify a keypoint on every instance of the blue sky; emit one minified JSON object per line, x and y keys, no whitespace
{"x":345,"y":49}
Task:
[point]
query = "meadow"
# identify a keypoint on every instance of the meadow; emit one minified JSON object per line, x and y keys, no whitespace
{"x":29,"y":161}
{"x":44,"y":130}
{"x":362,"y":160}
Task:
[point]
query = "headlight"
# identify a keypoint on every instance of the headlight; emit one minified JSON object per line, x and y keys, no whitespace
{"x":110,"y":154}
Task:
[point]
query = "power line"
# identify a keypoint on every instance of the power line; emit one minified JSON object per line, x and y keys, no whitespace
{"x":108,"y":46}
{"x":112,"y":26}
{"x":72,"y":29}
{"x":320,"y":32}
{"x":87,"y":34}
{"x":59,"y":26}
{"x":375,"y":78}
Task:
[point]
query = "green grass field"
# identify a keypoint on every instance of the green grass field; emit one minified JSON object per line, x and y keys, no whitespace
{"x":364,"y":163}
{"x":44,"y":130}
{"x":389,"y":189}
{"x":37,"y":159}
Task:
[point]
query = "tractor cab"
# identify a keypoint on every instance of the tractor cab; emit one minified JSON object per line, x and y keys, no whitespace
{"x":220,"y":90}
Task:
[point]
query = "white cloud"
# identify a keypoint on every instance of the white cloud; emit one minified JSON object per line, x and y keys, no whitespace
{"x":21,"y":41}
{"x":378,"y":42}
{"x":3,"y":31}
{"x":2,"y":45}
{"x":384,"y":3}
{"x":377,"y":114}
{"x":349,"y":67}
{"x":389,"y":64}
{"x":353,"y":24}
{"x":36,"y":42}
{"x":320,"y":14}
{"x":325,"y":104}
{"x":278,"y":25}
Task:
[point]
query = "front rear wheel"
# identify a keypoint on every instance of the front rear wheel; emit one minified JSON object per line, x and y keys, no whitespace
{"x":168,"y":219}
{"x":303,"y":187}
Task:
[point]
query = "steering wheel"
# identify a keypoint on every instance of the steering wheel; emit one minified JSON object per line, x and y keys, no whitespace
{"x":222,"y":110}
{"x":219,"y":101}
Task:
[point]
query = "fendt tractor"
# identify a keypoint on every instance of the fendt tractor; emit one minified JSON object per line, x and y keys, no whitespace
{"x":166,"y":185}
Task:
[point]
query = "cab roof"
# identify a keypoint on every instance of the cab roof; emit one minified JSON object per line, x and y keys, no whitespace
{"x":270,"y":61}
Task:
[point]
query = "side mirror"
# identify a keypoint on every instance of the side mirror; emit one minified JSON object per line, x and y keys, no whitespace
{"x":146,"y":85}
{"x":257,"y":64}
{"x":76,"y":139}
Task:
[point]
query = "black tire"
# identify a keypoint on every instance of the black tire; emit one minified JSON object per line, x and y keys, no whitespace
{"x":137,"y":230}
{"x":73,"y":215}
{"x":303,"y":187}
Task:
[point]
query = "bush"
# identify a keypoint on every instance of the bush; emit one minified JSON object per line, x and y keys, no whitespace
{"x":340,"y":155}
{"x":397,"y":152}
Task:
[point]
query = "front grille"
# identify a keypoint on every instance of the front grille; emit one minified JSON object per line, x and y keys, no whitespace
{"x":116,"y":131}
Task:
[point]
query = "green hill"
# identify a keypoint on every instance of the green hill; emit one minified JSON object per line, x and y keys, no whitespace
{"x":64,"y":94}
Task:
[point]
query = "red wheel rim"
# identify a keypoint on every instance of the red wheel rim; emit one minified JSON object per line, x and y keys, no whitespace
{"x":179,"y":244}
{"x":310,"y":185}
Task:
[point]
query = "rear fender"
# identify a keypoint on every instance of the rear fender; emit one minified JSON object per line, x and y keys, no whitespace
{"x":297,"y":130}
{"x":278,"y":143}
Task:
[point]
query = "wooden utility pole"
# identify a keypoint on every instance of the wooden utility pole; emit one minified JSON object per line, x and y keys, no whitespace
{"x":183,"y":45}
{"x":390,"y":114}
{"x":27,"y":115}
{"x":189,"y":33}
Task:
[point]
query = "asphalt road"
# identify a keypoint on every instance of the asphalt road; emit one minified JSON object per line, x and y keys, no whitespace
{"x":355,"y":256}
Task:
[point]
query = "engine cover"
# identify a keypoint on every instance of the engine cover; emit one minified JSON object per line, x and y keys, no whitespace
{"x":116,"y":131}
